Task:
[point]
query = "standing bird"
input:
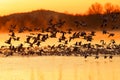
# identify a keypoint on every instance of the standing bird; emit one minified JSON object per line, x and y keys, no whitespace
{"x":110,"y":57}
{"x":96,"y":57}
{"x":105,"y":57}
{"x":85,"y":56}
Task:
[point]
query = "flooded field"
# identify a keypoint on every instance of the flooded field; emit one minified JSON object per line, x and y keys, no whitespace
{"x":50,"y":42}
{"x":59,"y":68}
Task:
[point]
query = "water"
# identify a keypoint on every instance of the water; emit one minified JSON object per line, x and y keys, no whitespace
{"x":59,"y":68}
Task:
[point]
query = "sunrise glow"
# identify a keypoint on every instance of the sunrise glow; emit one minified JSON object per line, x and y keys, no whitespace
{"x":70,"y":6}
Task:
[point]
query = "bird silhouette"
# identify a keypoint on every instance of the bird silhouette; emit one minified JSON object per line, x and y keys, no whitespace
{"x":110,"y":57}
{"x":16,"y":38}
{"x":111,"y":35}
{"x":8,"y":41}
{"x":105,"y":32}
{"x":105,"y":57}
{"x":28,"y":39}
{"x":69,"y":31}
{"x":38,"y":43}
{"x":96,"y":57}
{"x":92,"y":33}
{"x":12,"y":34}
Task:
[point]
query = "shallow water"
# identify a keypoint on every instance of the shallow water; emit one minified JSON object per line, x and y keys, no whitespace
{"x":59,"y":68}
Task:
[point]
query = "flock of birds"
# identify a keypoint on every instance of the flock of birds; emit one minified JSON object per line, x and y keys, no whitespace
{"x":79,"y":48}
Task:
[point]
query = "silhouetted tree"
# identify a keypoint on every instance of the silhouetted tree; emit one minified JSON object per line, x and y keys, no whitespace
{"x":109,"y":8}
{"x":95,"y":8}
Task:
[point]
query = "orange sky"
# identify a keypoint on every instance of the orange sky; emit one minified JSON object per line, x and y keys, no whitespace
{"x":70,"y":6}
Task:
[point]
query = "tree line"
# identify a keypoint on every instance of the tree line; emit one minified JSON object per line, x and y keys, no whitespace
{"x":98,"y":8}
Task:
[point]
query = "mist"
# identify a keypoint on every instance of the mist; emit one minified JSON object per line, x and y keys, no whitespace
{"x":94,"y":17}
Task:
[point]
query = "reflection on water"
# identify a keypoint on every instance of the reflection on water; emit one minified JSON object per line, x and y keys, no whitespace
{"x":59,"y":68}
